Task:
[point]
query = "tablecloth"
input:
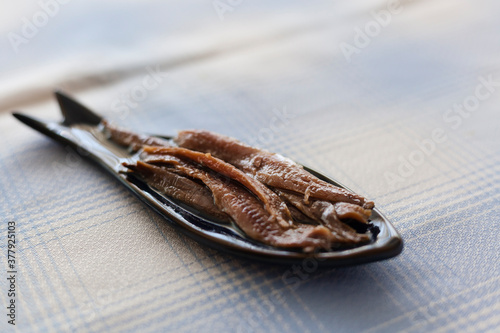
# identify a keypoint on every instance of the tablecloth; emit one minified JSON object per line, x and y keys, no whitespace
{"x":399,"y":100}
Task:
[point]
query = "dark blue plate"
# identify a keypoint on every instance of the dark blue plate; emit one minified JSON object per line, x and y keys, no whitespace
{"x":81,"y":130}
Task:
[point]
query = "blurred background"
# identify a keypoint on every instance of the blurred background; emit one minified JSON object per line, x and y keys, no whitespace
{"x":350,"y":66}
{"x":396,"y":99}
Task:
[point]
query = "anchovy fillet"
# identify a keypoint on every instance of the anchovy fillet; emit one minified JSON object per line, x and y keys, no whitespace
{"x":326,"y":213}
{"x":179,"y":187}
{"x":276,"y":207}
{"x":269,"y":197}
{"x":250,"y":214}
{"x":271,"y":169}
{"x":126,"y":138}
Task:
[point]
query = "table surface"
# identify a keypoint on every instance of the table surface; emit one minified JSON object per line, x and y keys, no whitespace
{"x":397,"y":100}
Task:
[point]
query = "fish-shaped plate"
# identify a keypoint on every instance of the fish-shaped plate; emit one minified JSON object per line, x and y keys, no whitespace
{"x":82,"y":130}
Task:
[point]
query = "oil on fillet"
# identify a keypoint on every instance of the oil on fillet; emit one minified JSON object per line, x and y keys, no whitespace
{"x":270,"y":198}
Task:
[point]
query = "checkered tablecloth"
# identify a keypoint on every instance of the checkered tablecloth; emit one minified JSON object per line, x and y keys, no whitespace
{"x":400,"y":101}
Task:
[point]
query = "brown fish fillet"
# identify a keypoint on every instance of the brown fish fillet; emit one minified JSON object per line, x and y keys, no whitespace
{"x":239,"y":190}
{"x":257,"y":223}
{"x":271,"y":169}
{"x":325,"y":212}
{"x":130,"y":139}
{"x":179,"y":187}
{"x":250,"y":215}
{"x":342,"y":210}
{"x":347,"y":210}
{"x":274,"y":205}
{"x":300,"y":217}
